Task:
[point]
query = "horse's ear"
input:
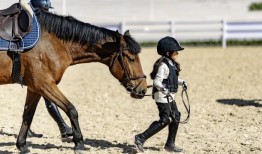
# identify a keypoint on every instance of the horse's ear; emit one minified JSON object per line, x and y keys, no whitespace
{"x":127,"y":33}
{"x":118,"y":35}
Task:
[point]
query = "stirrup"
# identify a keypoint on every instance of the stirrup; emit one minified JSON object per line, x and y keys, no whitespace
{"x":16,"y":46}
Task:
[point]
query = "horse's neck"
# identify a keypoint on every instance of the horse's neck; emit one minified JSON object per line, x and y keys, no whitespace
{"x":87,"y":54}
{"x":79,"y":53}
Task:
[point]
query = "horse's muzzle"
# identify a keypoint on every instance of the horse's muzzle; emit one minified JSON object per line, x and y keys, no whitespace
{"x":137,"y":93}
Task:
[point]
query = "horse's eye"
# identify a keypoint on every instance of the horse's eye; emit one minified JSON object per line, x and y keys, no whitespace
{"x":132,"y":60}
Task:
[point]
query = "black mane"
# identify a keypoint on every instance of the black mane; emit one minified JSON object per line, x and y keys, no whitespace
{"x":68,"y":28}
{"x":132,"y":44}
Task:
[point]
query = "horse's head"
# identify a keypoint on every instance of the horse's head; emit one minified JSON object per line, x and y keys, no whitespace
{"x":126,"y":67}
{"x":89,"y":43}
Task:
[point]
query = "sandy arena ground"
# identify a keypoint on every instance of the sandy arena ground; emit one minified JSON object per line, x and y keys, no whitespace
{"x":225,"y":89}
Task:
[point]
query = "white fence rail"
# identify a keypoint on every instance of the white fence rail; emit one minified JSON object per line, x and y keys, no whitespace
{"x":251,"y":30}
{"x":191,"y":30}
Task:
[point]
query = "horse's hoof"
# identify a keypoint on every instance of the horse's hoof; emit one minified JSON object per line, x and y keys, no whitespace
{"x":67,"y":139}
{"x":80,"y":149}
{"x":80,"y":152}
{"x":24,"y":150}
{"x":133,"y":151}
{"x":30,"y":133}
{"x":66,"y":131}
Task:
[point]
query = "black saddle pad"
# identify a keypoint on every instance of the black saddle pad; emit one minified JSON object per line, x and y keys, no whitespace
{"x":28,"y":42}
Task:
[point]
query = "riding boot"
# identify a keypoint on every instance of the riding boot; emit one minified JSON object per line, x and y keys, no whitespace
{"x":65,"y":130}
{"x":30,"y":133}
{"x":172,"y":132}
{"x":140,"y":139}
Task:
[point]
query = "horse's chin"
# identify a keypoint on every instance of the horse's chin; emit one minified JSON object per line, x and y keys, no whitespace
{"x":136,"y":96}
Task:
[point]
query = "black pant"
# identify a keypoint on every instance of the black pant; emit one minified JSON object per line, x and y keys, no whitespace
{"x":167,"y":109}
{"x":169,"y":115}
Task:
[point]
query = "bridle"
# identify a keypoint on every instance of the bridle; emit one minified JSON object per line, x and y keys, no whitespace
{"x":120,"y":57}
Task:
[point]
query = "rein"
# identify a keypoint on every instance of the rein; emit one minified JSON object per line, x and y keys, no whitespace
{"x":187,"y":107}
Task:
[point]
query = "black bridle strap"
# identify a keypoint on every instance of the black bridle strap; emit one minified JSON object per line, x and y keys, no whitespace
{"x":127,"y":77}
{"x":187,"y":108}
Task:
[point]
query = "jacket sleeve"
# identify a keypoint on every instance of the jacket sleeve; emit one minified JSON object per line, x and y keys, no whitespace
{"x":162,"y":74}
{"x":180,"y":81}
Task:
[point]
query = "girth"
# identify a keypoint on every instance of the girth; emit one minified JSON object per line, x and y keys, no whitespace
{"x":16,"y":71}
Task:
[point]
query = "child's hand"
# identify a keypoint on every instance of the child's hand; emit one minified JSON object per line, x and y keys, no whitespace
{"x":165,"y":91}
{"x":184,"y":86}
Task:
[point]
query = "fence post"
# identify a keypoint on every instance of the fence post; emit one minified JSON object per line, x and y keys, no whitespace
{"x":172,"y":28}
{"x":224,"y":33}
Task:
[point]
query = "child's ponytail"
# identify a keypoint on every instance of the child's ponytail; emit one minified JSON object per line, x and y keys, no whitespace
{"x":155,"y":68}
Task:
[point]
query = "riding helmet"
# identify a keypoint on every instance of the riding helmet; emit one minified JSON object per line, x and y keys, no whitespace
{"x":168,"y":44}
{"x":41,"y":4}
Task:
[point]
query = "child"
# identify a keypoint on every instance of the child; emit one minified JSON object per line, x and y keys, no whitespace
{"x":165,"y":78}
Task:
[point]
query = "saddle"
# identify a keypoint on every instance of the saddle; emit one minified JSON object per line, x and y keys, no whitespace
{"x":15,"y":23}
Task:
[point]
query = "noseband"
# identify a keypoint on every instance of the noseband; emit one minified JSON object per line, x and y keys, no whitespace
{"x":127,"y":75}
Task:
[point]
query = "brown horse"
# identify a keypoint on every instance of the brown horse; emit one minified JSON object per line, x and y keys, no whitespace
{"x":66,"y":41}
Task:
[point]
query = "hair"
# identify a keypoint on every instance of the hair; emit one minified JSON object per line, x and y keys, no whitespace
{"x":132,"y":45}
{"x":158,"y":63}
{"x":68,"y":28}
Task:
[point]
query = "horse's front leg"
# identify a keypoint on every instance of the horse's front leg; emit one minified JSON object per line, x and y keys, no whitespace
{"x":31,"y":102}
{"x":52,"y":93}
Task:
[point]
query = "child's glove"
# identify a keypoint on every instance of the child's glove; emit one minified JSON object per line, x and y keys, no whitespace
{"x":164,"y":91}
{"x":184,"y":85}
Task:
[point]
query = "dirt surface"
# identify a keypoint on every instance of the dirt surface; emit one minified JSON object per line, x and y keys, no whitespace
{"x":225,"y":90}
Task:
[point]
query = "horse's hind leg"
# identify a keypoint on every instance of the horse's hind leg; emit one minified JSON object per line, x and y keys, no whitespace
{"x":32,"y":100}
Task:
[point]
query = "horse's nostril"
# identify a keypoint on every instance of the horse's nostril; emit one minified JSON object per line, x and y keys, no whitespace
{"x":129,"y":89}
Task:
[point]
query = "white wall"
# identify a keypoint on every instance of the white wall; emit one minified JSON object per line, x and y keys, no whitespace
{"x":136,"y":10}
